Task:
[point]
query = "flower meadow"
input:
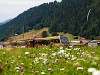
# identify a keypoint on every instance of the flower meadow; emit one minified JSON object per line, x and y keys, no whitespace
{"x":50,"y":61}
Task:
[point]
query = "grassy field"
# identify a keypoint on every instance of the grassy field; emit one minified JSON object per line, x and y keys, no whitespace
{"x":30,"y":34}
{"x":37,"y":33}
{"x":49,"y":61}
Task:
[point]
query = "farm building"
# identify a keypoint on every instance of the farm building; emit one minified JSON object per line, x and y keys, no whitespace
{"x":79,"y":43}
{"x":57,"y":40}
{"x":94,"y":43}
{"x":21,"y":43}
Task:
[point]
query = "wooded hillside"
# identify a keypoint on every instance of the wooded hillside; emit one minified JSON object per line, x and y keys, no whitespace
{"x":68,"y":16}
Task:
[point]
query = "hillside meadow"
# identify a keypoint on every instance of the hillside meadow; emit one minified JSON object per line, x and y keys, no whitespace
{"x":38,"y":33}
{"x":50,"y":61}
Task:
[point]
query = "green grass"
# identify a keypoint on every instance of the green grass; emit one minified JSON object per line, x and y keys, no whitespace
{"x":32,"y":33}
{"x":51,"y":61}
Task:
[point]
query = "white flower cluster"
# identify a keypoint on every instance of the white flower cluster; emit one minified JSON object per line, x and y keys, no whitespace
{"x":94,"y":71}
{"x":43,"y":57}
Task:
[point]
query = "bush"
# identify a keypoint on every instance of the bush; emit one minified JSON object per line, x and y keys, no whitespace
{"x":55,"y":34}
{"x":44,"y":34}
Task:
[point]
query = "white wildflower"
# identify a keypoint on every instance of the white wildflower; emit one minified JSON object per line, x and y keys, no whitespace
{"x":76,"y":48}
{"x":54,"y":54}
{"x":17,"y":68}
{"x":62,"y":69}
{"x":62,"y":52}
{"x":97,"y":72}
{"x":73,"y":58}
{"x":12,"y":56}
{"x":68,"y":58}
{"x":92,"y":52}
{"x":96,"y":58}
{"x":49,"y":69}
{"x":45,"y":61}
{"x":22,"y":63}
{"x":87,"y":54}
{"x":36,"y":72}
{"x":36,"y":60}
{"x":56,"y":60}
{"x":61,"y":56}
{"x":3,"y":53}
{"x":83,"y":53}
{"x":76,"y":64}
{"x":71,"y":46}
{"x":12,"y":61}
{"x":19,"y":56}
{"x":26,"y":53}
{"x":69,"y":49}
{"x":67,"y":55}
{"x":91,"y":69}
{"x":81,"y":59}
{"x":78,"y":53}
{"x":44,"y":55}
{"x":61,"y":48}
{"x":79,"y":68}
{"x":40,"y":58}
{"x":42,"y":72}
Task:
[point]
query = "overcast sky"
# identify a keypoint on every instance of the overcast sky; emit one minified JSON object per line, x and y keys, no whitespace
{"x":11,"y":8}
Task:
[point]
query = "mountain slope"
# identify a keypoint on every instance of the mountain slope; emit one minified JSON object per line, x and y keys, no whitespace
{"x":5,"y":21}
{"x":27,"y":19}
{"x":67,"y":16}
{"x":0,"y":23}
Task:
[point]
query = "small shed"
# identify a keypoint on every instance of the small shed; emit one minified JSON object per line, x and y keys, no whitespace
{"x":1,"y":45}
{"x":75,"y":37}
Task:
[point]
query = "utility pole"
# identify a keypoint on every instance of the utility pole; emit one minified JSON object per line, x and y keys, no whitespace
{"x":23,"y":32}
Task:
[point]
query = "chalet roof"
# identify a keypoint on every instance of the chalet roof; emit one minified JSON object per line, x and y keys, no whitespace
{"x":18,"y":42}
{"x":95,"y":41}
{"x":77,"y":43}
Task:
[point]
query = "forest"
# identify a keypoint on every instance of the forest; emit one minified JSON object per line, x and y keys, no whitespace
{"x":77,"y":17}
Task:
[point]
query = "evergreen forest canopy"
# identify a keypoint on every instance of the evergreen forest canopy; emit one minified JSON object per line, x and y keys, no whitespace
{"x":68,"y":16}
